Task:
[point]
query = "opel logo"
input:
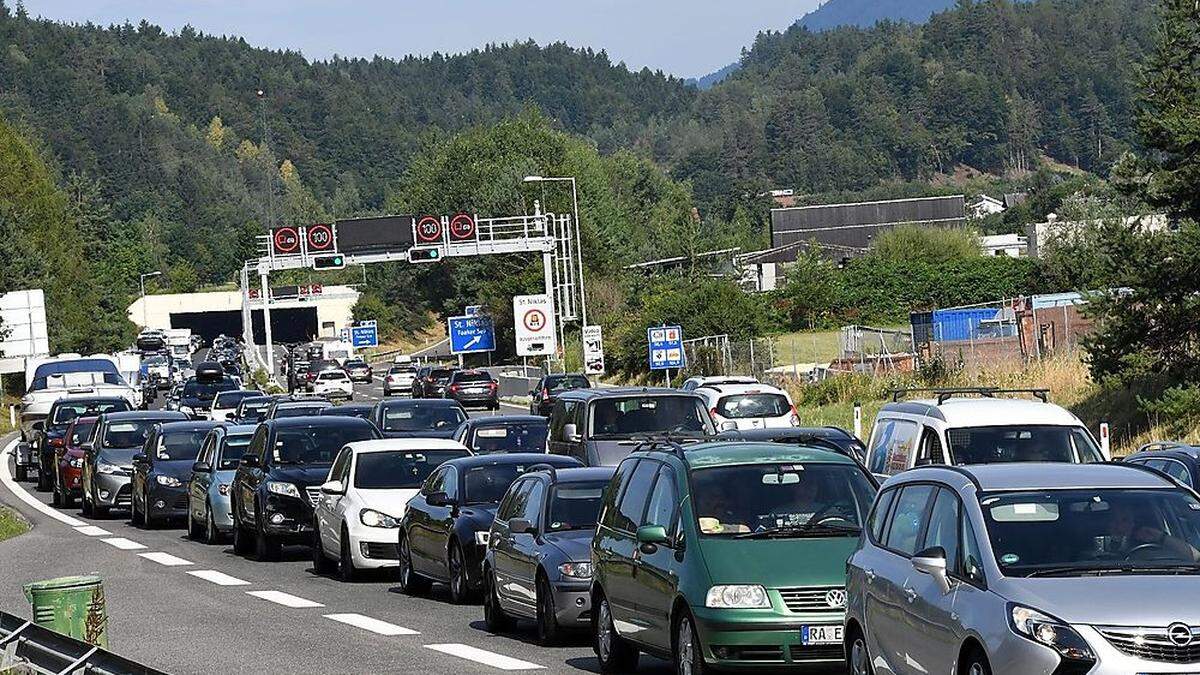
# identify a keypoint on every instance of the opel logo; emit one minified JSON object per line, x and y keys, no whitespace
{"x":1180,"y":634}
{"x":837,"y":599}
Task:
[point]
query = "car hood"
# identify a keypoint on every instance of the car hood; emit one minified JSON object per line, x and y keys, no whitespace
{"x":419,"y":434}
{"x":181,"y":469}
{"x":1129,"y":600}
{"x":118,"y":456}
{"x":392,"y":502}
{"x":301,"y":476}
{"x":575,"y":545}
{"x":778,"y":563}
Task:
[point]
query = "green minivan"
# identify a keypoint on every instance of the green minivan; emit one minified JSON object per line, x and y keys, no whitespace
{"x":726,"y":555}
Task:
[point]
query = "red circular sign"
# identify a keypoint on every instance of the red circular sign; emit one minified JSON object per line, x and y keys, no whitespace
{"x":429,"y":228}
{"x":286,"y":240}
{"x":320,"y":237}
{"x":534,"y":320}
{"x":462,"y":226}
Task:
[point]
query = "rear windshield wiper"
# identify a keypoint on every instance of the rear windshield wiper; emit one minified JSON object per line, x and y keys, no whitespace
{"x":801,"y":531}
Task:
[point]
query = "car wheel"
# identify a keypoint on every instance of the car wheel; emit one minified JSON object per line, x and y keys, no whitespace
{"x":460,"y":590}
{"x":194,"y":531}
{"x":86,"y":508}
{"x":977,"y":664}
{"x":410,"y":582}
{"x":321,"y":564}
{"x":211,"y":534}
{"x":241,"y":538}
{"x":614,"y":653}
{"x":55,"y":495}
{"x":266,"y":547}
{"x":135,"y":516}
{"x":346,"y":571}
{"x":858,"y":661}
{"x":494,"y":618}
{"x":43,"y":479}
{"x":549,"y":631}
{"x":100,"y":511}
{"x":689,"y":657}
{"x":21,"y":474}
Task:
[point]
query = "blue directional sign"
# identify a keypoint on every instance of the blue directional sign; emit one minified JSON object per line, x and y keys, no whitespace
{"x":471,"y":334}
{"x":666,"y":347}
{"x":365,"y":334}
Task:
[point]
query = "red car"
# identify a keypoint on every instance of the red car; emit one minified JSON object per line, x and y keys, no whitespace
{"x":68,"y":461}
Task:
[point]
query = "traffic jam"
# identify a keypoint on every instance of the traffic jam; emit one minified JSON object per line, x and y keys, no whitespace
{"x":975,"y":531}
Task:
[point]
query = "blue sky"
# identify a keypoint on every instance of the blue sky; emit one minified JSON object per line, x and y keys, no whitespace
{"x":684,"y":37}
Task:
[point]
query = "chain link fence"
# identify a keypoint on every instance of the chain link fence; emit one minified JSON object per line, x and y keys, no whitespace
{"x":721,"y":355}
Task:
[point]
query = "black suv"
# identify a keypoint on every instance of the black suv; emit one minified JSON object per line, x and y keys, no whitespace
{"x":49,"y":438}
{"x":1179,"y":461}
{"x":279,"y":479}
{"x":474,"y":387}
{"x":431,"y":382}
{"x":543,"y":395}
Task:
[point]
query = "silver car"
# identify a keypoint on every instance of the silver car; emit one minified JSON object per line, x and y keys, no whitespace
{"x":1027,"y":569}
{"x":209,"y":516}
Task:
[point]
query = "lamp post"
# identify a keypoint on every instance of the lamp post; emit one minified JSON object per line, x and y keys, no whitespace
{"x":578,"y":242}
{"x":142,"y":284}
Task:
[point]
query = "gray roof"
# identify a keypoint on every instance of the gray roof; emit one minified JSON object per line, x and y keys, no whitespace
{"x":855,"y":225}
{"x":1043,"y":476}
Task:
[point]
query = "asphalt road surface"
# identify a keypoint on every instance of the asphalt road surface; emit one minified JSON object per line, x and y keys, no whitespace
{"x":185,"y":607}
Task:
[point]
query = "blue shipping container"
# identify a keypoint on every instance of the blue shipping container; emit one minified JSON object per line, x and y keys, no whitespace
{"x":950,"y":325}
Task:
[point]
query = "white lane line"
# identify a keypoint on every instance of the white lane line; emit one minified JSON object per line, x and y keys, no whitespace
{"x":485,"y":657}
{"x":515,"y":406}
{"x":165,"y":559}
{"x":20,"y":493}
{"x":285,"y":599}
{"x":93,"y":531}
{"x":123,"y":543}
{"x":219,"y":578}
{"x":373,"y":625}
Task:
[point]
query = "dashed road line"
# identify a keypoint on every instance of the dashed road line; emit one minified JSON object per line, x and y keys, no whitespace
{"x":20,"y":492}
{"x":219,"y":578}
{"x":373,"y":625}
{"x":285,"y":599}
{"x":93,"y":531}
{"x":485,"y":657}
{"x":165,"y":559}
{"x":123,"y":544}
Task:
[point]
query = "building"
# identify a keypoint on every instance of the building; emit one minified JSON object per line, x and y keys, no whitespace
{"x":985,"y":206}
{"x":1038,"y":235}
{"x":1011,"y":245}
{"x":846,"y":230}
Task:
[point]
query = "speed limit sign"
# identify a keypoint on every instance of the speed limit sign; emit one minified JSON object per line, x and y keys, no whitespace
{"x":320,"y":237}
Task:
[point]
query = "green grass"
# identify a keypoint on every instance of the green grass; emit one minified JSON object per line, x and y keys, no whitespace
{"x":11,"y":524}
{"x":807,"y":347}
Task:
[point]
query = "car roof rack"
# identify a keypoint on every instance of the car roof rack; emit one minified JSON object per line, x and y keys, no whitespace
{"x":1162,"y":445}
{"x":660,"y":444}
{"x":945,"y":393}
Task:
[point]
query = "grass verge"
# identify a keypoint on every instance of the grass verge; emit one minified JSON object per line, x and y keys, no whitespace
{"x":11,"y":524}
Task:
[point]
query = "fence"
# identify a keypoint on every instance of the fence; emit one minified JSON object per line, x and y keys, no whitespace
{"x":28,"y":647}
{"x":720,"y":355}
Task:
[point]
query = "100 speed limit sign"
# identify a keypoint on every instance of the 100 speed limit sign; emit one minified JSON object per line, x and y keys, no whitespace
{"x":533,"y":323}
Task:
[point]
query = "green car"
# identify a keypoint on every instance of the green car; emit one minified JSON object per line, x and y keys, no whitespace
{"x":728,"y":555}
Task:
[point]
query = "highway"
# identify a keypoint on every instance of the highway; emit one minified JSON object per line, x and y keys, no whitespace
{"x":184,"y":607}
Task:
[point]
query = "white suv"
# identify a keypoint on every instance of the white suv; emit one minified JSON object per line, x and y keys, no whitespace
{"x":334,"y":384}
{"x":974,"y":426}
{"x":693,"y":383}
{"x":748,"y":406}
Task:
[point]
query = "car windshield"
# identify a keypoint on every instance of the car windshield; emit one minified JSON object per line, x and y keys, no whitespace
{"x":75,"y":372}
{"x":81,"y":431}
{"x":316,"y":444}
{"x":397,"y":370}
{"x":636,"y":415}
{"x":180,"y":445}
{"x":298,"y":411}
{"x":575,"y":506}
{"x":232,"y":449}
{"x":511,"y":437}
{"x":356,"y":364}
{"x":743,"y":406}
{"x":399,"y":469}
{"x":230,"y":399}
{"x":68,"y":411}
{"x":417,"y":417}
{"x":565,"y":382}
{"x":206,"y":391}
{"x":155,"y":361}
{"x":127,"y":433}
{"x":487,"y":484}
{"x":793,"y":499}
{"x":1022,"y":443}
{"x":1066,"y":532}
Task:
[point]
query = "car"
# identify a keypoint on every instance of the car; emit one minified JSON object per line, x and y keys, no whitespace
{"x":544,"y":393}
{"x":537,"y":565}
{"x":333,"y":384}
{"x":503,"y":433}
{"x":162,"y":471}
{"x":443,"y":535}
{"x":362,"y":410}
{"x":286,"y":406}
{"x":198,"y":392}
{"x":418,"y":418}
{"x":1178,"y":460}
{"x":252,"y":409}
{"x":749,"y":406}
{"x":843,"y":441}
{"x":399,"y":378}
{"x":693,"y":383}
{"x":365,"y":497}
{"x":68,"y":462}
{"x":157,"y":369}
{"x":431,"y":381}
{"x":738,"y":551}
{"x":49,"y":437}
{"x":279,"y":479}
{"x":316,"y":367}
{"x":359,"y":370}
{"x":473,"y":388}
{"x":976,"y":425}
{"x":225,"y":404}
{"x":108,"y":457}
{"x":209,"y":517}
{"x":1013,"y":569}
{"x":599,"y":426}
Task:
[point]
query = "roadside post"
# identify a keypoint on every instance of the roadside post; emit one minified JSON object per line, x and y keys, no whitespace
{"x":1105,"y":441}
{"x":858,"y":420}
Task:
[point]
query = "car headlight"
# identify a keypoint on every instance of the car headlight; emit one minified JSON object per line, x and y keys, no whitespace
{"x":223,"y":488}
{"x":1046,"y":630}
{"x":372,"y":518}
{"x":481,"y":538}
{"x":101,"y":467}
{"x":281,"y":488}
{"x":738,"y":596}
{"x":76,"y":462}
{"x":576,"y":570}
{"x":168,"y":481}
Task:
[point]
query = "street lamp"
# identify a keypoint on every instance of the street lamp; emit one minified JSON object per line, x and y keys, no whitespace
{"x":578,"y":243}
{"x":142,"y":284}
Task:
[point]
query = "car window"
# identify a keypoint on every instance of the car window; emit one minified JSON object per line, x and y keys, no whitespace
{"x":435,"y":482}
{"x":907,"y":517}
{"x":663,"y":500}
{"x":232,"y":450}
{"x":339,"y":464}
{"x":486,"y":484}
{"x":574,"y":506}
{"x":1021,"y":443}
{"x":451,"y":485}
{"x":971,"y":561}
{"x":399,"y":469}
{"x":465,"y":377}
{"x":746,"y":406}
{"x":81,"y":432}
{"x":562,"y":415}
{"x":900,"y":446}
{"x":514,"y":500}
{"x":879,"y":516}
{"x":930,"y":451}
{"x":943,"y":528}
{"x":128,"y":433}
{"x":316,"y":444}
{"x":1156,"y":464}
{"x":509,"y":437}
{"x":880,"y":437}
{"x":534,"y":502}
{"x":633,"y":501}
{"x":413,"y":416}
{"x":1176,"y":469}
{"x":608,"y":509}
{"x":626,"y":416}
{"x":565,"y":382}
{"x":180,"y":445}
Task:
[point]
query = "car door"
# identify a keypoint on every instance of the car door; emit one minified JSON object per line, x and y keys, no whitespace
{"x":930,"y":610}
{"x":250,"y":477}
{"x":623,"y":587}
{"x":888,"y":625}
{"x":198,"y":485}
{"x":503,"y":548}
{"x":441,"y":520}
{"x":418,"y":520}
{"x":345,"y":501}
{"x":656,"y":568}
{"x":929,"y":450}
{"x":325,"y":513}
{"x":525,"y":545}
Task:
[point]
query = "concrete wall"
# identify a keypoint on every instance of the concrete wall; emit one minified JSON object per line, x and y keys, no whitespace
{"x":334,"y":307}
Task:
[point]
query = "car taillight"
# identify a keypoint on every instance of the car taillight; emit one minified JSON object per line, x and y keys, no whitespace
{"x":56,"y":442}
{"x":713,"y":412}
{"x":492,"y":385}
{"x":545,"y":393}
{"x":454,"y":387}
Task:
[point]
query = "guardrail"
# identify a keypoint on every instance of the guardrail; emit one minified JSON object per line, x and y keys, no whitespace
{"x":29,"y":646}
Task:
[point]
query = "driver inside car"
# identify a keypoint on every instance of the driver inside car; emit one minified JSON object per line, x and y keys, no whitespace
{"x":1126,"y":536}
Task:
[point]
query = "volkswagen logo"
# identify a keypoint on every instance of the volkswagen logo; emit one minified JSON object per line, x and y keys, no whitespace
{"x":837,"y":599}
{"x":1180,"y":634}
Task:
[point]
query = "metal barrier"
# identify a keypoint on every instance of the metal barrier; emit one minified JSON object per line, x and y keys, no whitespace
{"x":25,"y":644}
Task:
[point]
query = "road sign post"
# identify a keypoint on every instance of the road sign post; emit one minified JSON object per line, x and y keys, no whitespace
{"x":471,"y":334}
{"x":666,"y":349}
{"x":533,"y":323}
{"x":593,"y":350}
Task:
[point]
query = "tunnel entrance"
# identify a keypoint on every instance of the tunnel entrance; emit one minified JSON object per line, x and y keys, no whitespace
{"x":209,"y":325}
{"x":296,"y":324}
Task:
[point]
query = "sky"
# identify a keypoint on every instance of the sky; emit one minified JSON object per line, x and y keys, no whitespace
{"x":688,"y":38}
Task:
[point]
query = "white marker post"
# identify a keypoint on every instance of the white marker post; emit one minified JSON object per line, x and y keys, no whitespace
{"x":1105,"y":441}
{"x":858,"y":420}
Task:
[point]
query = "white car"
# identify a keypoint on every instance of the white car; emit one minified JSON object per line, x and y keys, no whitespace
{"x":334,"y":384}
{"x":225,"y":404}
{"x":365,"y":497}
{"x":693,"y":383}
{"x":399,"y":378}
{"x":749,"y":406}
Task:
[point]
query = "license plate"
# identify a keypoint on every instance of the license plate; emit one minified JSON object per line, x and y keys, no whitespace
{"x":821,"y":635}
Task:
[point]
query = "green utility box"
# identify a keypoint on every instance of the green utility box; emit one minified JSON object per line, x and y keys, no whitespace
{"x":72,"y":606}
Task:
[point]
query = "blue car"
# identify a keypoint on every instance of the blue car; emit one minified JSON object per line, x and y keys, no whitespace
{"x":210,"y":518}
{"x":162,"y":470}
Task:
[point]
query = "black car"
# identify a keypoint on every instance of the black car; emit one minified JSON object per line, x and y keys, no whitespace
{"x":835,"y":438}
{"x":360,"y":410}
{"x":538,"y":561}
{"x":542,"y":396}
{"x":419,"y":418}
{"x":1177,"y":460}
{"x":279,"y":479}
{"x":196,"y":396}
{"x":503,"y":434}
{"x":431,"y":382}
{"x":162,"y":469}
{"x":108,"y":457}
{"x":295,"y":406}
{"x":443,"y":535}
{"x":49,"y":439}
{"x":473,"y":388}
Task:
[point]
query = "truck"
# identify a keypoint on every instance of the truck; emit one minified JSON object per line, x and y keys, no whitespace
{"x":179,"y":342}
{"x":337,"y":350}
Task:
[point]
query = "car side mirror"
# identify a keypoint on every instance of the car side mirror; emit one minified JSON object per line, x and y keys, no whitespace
{"x":924,"y":461}
{"x":439,"y":499}
{"x":38,"y":426}
{"x":333,"y":487}
{"x":201,"y":467}
{"x":650,"y":537}
{"x":727,"y":426}
{"x":250,"y":461}
{"x":932,"y":561}
{"x":139,"y":458}
{"x":571,"y":433}
{"x":521,"y":526}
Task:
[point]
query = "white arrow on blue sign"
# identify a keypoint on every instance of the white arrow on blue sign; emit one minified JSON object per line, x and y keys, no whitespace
{"x":471,"y":334}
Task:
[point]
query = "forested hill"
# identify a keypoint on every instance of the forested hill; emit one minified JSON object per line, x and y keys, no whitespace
{"x":867,"y":13}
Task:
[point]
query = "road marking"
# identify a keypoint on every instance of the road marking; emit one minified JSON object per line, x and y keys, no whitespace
{"x":514,"y":406}
{"x":485,"y":657}
{"x":285,"y":599}
{"x":165,"y":559}
{"x":93,"y":531}
{"x":373,"y":625}
{"x":123,"y":543}
{"x":219,"y":578}
{"x":7,"y":479}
